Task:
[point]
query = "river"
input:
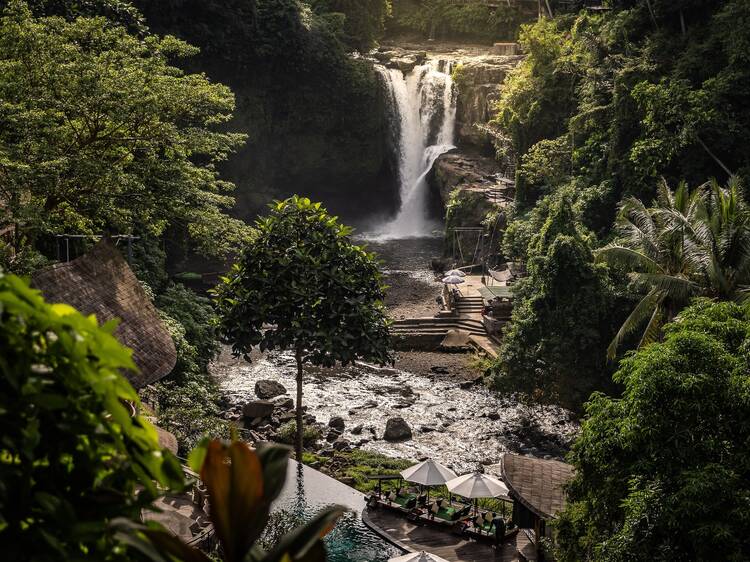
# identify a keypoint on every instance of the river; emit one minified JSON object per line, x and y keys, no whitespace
{"x":455,"y":424}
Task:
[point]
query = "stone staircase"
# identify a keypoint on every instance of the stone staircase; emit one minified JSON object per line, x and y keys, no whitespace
{"x":468,"y":319}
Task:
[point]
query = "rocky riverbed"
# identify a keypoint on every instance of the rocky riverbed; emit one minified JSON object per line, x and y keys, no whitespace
{"x":427,"y":405}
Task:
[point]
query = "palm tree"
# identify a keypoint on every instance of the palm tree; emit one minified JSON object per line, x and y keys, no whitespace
{"x":689,"y":243}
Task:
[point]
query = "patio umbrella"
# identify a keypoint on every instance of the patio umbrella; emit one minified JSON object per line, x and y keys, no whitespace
{"x":453,"y":280}
{"x":477,"y":485}
{"x":428,"y":473}
{"x":421,"y":556}
{"x":457,"y":272}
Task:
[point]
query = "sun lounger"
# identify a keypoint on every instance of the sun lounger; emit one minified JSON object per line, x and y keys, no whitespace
{"x":442,"y":512}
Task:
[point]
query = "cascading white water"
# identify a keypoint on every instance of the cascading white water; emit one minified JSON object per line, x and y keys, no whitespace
{"x":423,"y":112}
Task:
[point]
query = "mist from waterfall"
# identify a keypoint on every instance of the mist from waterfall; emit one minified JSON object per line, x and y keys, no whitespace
{"x":422,"y":107}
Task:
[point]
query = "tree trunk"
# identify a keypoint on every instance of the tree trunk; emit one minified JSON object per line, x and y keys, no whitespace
{"x":298,"y":441}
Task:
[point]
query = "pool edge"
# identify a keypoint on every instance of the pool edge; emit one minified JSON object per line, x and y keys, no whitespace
{"x":364,"y":515}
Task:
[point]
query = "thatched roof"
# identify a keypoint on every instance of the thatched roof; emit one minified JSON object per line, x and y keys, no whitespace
{"x":536,"y":483}
{"x":102,"y":283}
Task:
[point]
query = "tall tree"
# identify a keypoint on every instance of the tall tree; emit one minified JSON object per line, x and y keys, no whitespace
{"x":553,"y":349}
{"x":663,"y":473}
{"x":302,"y":285}
{"x":100,"y":133}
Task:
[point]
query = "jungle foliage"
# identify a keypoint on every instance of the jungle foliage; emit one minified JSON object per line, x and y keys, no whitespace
{"x":690,"y":243}
{"x":552,"y":351}
{"x":662,"y":473}
{"x":72,"y":458}
{"x":606,"y":107}
{"x":446,"y":19}
{"x":100,"y":133}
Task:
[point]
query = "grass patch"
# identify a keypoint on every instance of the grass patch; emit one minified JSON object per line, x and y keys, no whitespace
{"x":355,"y":467}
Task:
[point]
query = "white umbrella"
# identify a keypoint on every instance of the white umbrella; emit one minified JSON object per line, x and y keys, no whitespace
{"x":457,"y":272}
{"x":453,"y":280}
{"x":428,"y":473}
{"x":421,"y":556}
{"x":477,"y":485}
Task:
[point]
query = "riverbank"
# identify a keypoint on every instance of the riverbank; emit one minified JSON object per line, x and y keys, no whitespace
{"x":434,"y":398}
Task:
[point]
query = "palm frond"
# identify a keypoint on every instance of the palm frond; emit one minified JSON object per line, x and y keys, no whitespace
{"x":644,"y":309}
{"x":617,"y":254}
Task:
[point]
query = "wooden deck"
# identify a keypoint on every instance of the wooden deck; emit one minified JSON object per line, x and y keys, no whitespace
{"x":443,"y":543}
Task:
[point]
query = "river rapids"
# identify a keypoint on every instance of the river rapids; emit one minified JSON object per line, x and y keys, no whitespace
{"x":458,"y":424}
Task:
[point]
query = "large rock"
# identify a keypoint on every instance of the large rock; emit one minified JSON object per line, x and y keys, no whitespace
{"x":396,"y":429}
{"x":266,"y":389}
{"x":283,"y":403}
{"x":258,"y":409}
{"x":337,"y":422}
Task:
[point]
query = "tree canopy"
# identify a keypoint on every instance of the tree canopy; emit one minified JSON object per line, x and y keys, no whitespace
{"x":100,"y":133}
{"x":663,"y":472}
{"x":302,"y":285}
{"x":553,"y":350}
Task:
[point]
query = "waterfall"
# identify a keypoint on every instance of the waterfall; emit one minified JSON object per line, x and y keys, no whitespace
{"x":422,"y":107}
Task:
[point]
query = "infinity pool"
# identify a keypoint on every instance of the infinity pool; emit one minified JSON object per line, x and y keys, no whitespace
{"x":306,"y":492}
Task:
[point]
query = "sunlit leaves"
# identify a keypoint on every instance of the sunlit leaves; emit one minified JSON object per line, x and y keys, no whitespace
{"x":100,"y":132}
{"x":71,"y":455}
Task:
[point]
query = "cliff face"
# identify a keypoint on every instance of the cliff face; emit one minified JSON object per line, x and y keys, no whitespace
{"x":314,"y":116}
{"x":479,"y":81}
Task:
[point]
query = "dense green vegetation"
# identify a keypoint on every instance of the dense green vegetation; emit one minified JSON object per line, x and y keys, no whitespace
{"x":446,"y":19}
{"x":100,"y":132}
{"x":563,"y":318}
{"x":608,"y":106}
{"x":662,"y":473}
{"x":72,"y":457}
{"x":321,"y":295}
{"x":689,"y":244}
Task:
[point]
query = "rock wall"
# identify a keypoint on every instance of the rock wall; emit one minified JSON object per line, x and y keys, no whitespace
{"x":479,"y":81}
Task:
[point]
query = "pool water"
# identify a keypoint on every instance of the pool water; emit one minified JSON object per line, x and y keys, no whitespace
{"x":306,"y":492}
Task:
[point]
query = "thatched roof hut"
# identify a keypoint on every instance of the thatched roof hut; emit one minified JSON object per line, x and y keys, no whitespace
{"x":537,"y":487}
{"x":102,"y":283}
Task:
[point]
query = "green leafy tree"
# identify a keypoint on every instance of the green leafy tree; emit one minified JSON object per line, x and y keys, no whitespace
{"x":663,"y":473}
{"x":302,"y":285}
{"x":100,"y":133}
{"x":553,"y":349}
{"x":72,"y":458}
{"x":690,"y":243}
{"x":364,"y":20}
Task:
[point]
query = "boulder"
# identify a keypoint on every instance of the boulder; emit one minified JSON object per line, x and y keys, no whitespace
{"x":332,"y":435}
{"x":357,"y":429}
{"x":258,"y":409}
{"x":285,"y":403}
{"x":341,"y":445}
{"x":396,"y":429}
{"x":265,"y":389}
{"x":287,"y":416}
{"x":337,"y":422}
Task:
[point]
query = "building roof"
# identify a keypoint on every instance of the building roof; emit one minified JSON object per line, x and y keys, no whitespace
{"x":537,"y":483}
{"x":101,"y":283}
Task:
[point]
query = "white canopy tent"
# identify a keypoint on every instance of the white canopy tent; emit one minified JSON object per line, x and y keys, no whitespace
{"x":428,"y":473}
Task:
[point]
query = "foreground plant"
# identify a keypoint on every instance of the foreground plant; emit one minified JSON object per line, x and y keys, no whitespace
{"x":242,"y":483}
{"x":72,"y":458}
{"x":302,"y":285}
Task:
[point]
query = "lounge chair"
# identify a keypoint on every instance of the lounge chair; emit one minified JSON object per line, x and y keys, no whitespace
{"x":441,"y":511}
